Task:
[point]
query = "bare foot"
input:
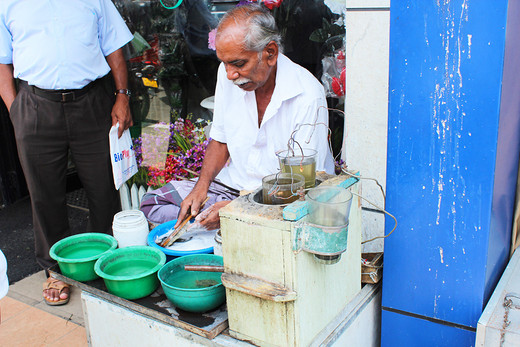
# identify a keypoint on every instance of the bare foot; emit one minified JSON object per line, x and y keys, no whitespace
{"x":55,"y":292}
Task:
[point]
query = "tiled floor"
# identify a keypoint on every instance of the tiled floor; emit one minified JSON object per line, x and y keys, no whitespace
{"x":26,"y":320}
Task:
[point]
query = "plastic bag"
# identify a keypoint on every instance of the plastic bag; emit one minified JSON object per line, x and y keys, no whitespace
{"x":122,"y":156}
{"x":334,"y":74}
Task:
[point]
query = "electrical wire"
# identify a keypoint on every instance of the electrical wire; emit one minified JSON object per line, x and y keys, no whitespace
{"x":291,"y":142}
{"x":382,"y":210}
{"x":330,"y":131}
{"x":352,"y":174}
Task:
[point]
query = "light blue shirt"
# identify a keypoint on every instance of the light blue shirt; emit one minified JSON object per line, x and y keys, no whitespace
{"x":60,"y":44}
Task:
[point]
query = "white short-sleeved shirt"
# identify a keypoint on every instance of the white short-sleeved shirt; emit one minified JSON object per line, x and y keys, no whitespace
{"x":56,"y":44}
{"x":298,"y":98}
{"x":4,"y":283}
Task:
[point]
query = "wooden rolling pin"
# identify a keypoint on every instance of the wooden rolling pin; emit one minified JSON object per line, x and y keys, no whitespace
{"x":207,"y":268}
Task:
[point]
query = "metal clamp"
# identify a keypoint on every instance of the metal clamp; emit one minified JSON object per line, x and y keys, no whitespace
{"x":318,"y":239}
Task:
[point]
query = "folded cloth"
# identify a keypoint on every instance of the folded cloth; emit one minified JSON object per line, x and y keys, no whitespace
{"x":163,"y":204}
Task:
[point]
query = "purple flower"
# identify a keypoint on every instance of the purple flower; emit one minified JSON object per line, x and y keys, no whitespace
{"x":244,"y":2}
{"x":211,"y":39}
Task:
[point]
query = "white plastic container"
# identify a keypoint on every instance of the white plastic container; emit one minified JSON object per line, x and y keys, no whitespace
{"x":130,"y":228}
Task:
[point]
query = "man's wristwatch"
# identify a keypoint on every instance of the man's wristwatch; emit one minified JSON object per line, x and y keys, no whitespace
{"x":123,"y":91}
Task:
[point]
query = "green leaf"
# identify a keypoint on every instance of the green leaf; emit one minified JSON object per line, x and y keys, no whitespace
{"x":318,"y":35}
{"x":325,"y":24}
{"x":336,"y":30}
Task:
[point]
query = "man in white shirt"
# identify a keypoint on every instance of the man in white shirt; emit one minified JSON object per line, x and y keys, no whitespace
{"x":61,"y":52}
{"x":261,"y":98}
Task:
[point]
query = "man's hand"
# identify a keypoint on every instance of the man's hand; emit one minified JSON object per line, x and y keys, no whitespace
{"x":214,"y":160}
{"x":209,"y":218}
{"x":7,"y":86}
{"x":121,"y":113}
{"x":191,"y":204}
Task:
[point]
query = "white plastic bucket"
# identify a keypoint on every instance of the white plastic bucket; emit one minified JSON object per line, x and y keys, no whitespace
{"x":130,"y":228}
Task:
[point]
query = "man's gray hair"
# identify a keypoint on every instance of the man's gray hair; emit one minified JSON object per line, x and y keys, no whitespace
{"x":259,"y":23}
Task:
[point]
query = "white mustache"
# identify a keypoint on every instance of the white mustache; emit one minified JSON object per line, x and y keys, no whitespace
{"x":241,"y":81}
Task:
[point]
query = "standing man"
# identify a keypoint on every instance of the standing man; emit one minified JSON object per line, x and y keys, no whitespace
{"x":261,"y":98}
{"x":61,"y":52}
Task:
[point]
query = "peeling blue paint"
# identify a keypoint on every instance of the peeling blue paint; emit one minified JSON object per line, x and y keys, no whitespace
{"x":446,"y":132}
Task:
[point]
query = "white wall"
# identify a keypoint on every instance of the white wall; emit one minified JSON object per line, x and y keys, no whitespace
{"x":367,"y":24}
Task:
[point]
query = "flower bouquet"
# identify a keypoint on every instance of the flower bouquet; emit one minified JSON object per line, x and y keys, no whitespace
{"x":170,"y":152}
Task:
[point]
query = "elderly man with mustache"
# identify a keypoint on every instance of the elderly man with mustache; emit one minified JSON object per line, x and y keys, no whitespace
{"x":261,"y":97}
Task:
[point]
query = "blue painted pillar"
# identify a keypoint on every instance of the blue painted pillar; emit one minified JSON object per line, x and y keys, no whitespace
{"x":453,"y":148}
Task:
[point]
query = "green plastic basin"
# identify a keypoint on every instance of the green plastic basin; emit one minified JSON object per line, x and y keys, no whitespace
{"x":77,"y":254}
{"x":131,"y":272}
{"x":193,"y":291}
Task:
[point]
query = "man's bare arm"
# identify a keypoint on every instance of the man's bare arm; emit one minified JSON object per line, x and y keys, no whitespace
{"x":214,"y":160}
{"x":121,"y":108}
{"x":7,"y":85}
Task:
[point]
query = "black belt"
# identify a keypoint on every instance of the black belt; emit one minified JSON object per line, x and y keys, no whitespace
{"x":61,"y":95}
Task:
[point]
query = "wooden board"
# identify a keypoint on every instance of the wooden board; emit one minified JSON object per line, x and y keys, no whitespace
{"x":208,"y":324}
{"x":258,"y":287}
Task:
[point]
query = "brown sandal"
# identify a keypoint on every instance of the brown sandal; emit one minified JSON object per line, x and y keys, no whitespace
{"x":53,"y":283}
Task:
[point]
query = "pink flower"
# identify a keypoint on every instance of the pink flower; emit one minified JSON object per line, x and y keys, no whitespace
{"x":270,"y":4}
{"x":211,"y":39}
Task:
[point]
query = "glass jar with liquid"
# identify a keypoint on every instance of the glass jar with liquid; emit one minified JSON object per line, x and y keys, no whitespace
{"x":281,"y":188}
{"x":299,"y":161}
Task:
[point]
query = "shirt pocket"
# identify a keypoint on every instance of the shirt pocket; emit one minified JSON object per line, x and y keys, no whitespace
{"x":83,"y":29}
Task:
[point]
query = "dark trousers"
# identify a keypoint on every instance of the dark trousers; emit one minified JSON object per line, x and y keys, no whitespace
{"x":45,"y":132}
